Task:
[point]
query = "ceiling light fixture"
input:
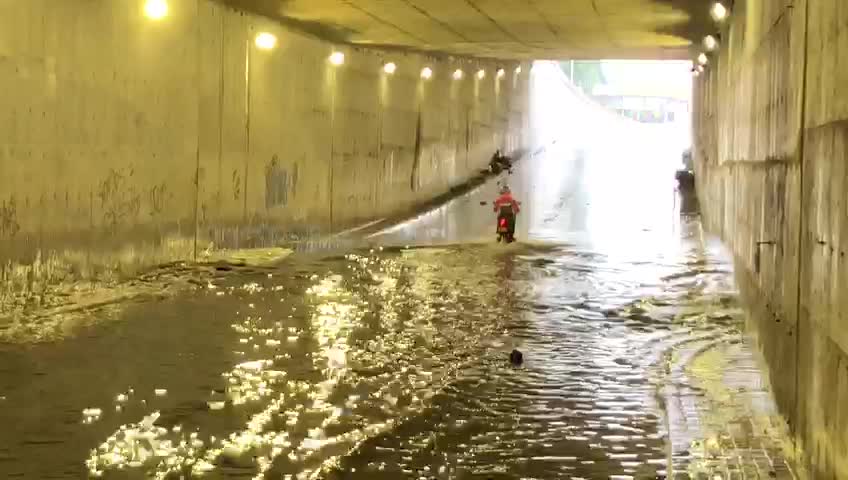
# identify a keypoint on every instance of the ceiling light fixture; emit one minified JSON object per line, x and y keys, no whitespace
{"x":337,"y":58}
{"x":718,"y":12}
{"x":265,"y":41}
{"x":156,"y":9}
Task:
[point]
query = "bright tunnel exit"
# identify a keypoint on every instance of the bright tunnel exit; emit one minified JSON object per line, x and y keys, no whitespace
{"x":617,"y":132}
{"x":601,"y":165}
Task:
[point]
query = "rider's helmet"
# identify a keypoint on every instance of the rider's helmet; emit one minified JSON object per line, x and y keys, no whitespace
{"x":504,"y":189}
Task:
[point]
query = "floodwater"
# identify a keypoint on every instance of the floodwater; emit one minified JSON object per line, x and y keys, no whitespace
{"x":387,"y":357}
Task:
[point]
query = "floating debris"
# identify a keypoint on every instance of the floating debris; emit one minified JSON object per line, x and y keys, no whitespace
{"x":91,"y":415}
{"x":516,"y":357}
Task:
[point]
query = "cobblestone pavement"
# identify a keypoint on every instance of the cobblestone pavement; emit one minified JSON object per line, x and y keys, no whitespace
{"x":725,"y":425}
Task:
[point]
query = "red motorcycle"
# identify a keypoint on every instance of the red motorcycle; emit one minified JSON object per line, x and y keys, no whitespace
{"x":506,"y":229}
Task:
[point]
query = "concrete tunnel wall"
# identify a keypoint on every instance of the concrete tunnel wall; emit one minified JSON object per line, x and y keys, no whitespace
{"x":771,"y":152}
{"x":123,"y":139}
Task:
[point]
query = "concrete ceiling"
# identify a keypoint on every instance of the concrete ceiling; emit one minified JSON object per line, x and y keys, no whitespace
{"x":519,"y":29}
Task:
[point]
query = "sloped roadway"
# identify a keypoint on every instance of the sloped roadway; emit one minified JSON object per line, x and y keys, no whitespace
{"x":389,"y":359}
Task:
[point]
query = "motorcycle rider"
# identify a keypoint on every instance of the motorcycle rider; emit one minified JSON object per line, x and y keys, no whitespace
{"x":507,"y":207}
{"x":495,"y":163}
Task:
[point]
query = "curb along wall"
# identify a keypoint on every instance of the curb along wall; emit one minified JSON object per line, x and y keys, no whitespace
{"x":771,"y":146}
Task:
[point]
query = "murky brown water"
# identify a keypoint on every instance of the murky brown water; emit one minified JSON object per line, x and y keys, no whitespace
{"x":392,"y":362}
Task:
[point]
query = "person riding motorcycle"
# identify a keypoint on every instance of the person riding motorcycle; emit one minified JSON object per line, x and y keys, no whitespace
{"x":499,"y":162}
{"x":507,"y":208}
{"x":495,"y":163}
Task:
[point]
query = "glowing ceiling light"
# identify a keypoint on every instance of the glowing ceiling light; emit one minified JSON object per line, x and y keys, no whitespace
{"x":501,"y":72}
{"x":265,"y":41}
{"x":718,"y":12}
{"x":337,"y":58}
{"x":156,"y":9}
{"x":426,"y":72}
{"x":457,"y":74}
{"x":481,"y":74}
{"x":702,"y":58}
{"x":518,"y":69}
{"x":389,"y":68}
{"x":710,"y":42}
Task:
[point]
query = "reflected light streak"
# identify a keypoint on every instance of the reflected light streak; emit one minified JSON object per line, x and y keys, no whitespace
{"x":144,"y":444}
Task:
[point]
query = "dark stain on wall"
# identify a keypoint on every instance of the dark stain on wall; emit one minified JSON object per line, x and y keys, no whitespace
{"x":294,"y":178}
{"x":204,"y":213}
{"x":416,"y":160}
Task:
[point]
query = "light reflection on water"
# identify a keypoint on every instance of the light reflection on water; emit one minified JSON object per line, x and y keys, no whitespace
{"x":395,"y":366}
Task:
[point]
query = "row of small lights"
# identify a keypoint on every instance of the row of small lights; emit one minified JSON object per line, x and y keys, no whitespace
{"x":719,"y":13}
{"x":158,"y":9}
{"x":390,"y":68}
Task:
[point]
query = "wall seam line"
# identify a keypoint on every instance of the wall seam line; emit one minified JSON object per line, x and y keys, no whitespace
{"x":801,"y":216}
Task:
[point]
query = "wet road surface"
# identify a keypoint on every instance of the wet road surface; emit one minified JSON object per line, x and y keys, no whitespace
{"x":388,"y":358}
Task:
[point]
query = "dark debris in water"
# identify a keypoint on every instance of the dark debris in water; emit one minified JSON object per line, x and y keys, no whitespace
{"x":516,"y":357}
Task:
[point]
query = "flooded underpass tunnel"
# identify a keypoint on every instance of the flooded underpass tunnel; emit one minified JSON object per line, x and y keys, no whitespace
{"x":263,"y":239}
{"x":392,"y":362}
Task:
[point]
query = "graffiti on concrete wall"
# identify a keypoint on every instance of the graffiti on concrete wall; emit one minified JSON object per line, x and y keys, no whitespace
{"x":278,"y":182}
{"x":119,"y":200}
{"x":157,"y":199}
{"x":9,"y":226}
{"x":236,"y":185}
